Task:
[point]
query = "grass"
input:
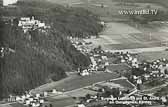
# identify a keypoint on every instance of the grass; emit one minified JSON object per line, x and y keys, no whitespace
{"x":125,"y":36}
{"x":124,"y":83}
{"x":81,"y":93}
{"x":17,"y":105}
{"x":76,"y":82}
{"x":154,"y":83}
{"x":151,"y":56}
{"x":162,"y":92}
{"x":119,"y":67}
{"x":61,"y":102}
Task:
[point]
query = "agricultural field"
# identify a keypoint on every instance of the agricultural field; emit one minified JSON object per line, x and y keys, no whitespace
{"x":124,"y":83}
{"x":119,"y":67}
{"x":108,"y":10}
{"x":65,"y":2}
{"x":63,"y":102}
{"x":119,"y":33}
{"x":81,"y":93}
{"x":75,"y":81}
{"x":120,"y":83}
{"x":124,"y":36}
{"x":151,"y":56}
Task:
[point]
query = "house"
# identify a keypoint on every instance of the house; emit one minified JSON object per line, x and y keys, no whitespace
{"x":102,"y":23}
{"x":54,"y":91}
{"x":146,"y":76}
{"x":2,"y":52}
{"x":84,"y":73}
{"x":45,"y":94}
{"x":81,"y":105}
{"x":139,"y":81}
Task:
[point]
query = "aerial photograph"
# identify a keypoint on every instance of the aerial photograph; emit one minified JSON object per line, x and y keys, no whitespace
{"x":83,"y":53}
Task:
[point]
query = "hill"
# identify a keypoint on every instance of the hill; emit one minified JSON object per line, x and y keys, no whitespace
{"x":41,"y":57}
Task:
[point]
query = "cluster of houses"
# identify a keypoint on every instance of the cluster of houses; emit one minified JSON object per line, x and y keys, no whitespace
{"x":152,"y":70}
{"x":99,"y":62}
{"x":105,"y":94}
{"x":147,"y":70}
{"x":27,"y":23}
{"x":34,"y":100}
{"x":4,"y":51}
{"x":97,"y":57}
{"x":80,"y":45}
{"x":31,"y":101}
{"x":28,"y":99}
{"x":129,"y":59}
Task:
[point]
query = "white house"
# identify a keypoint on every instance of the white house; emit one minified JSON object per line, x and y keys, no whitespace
{"x":81,"y":105}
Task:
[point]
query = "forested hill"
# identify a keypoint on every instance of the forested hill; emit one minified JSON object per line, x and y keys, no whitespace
{"x":42,"y":57}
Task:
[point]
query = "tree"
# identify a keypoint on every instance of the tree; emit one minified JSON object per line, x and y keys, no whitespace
{"x":88,"y":96}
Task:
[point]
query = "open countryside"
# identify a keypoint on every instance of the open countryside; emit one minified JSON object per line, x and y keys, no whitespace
{"x":122,"y":56}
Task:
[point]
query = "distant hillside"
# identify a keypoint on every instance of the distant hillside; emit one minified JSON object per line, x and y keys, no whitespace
{"x":48,"y":55}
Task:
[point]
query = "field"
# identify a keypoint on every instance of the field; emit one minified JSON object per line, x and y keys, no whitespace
{"x":150,"y":56}
{"x":64,"y":2}
{"x":15,"y":105}
{"x":75,"y":81}
{"x":123,"y":36}
{"x":109,"y":11}
{"x":119,"y":67}
{"x":120,"y":83}
{"x":81,"y":93}
{"x":120,"y":34}
{"x":61,"y":102}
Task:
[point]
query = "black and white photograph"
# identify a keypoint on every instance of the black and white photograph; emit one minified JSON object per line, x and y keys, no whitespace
{"x":83,"y":53}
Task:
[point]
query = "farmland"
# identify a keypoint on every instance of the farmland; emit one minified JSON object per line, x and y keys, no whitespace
{"x":151,"y":56}
{"x":120,"y":32}
{"x":123,"y":36}
{"x":108,"y":9}
{"x":76,"y":81}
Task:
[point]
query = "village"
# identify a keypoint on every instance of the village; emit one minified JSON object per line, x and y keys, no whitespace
{"x":115,"y":77}
{"x":139,"y":74}
{"x":135,"y":76}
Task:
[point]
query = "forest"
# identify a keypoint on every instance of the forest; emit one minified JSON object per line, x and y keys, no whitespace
{"x":42,"y":57}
